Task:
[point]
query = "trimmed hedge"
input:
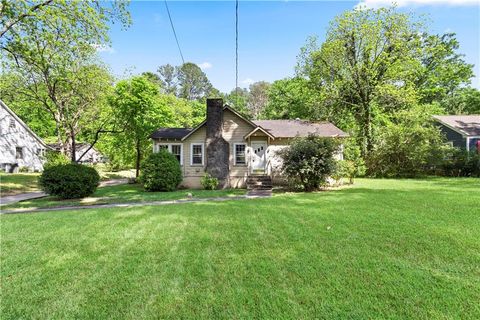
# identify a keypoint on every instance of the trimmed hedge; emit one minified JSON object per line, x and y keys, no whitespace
{"x":69,"y":181}
{"x":161,"y":172}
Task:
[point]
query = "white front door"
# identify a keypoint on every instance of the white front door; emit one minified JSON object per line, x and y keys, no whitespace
{"x":259,"y":155}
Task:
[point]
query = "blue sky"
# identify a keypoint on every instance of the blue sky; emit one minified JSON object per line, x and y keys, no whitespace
{"x":270,"y":35}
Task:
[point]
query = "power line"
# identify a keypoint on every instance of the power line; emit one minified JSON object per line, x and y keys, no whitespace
{"x":174,"y":33}
{"x":236,"y":51}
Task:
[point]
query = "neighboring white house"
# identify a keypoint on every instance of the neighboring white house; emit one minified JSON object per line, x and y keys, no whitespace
{"x":92,"y":156}
{"x":20,"y":147}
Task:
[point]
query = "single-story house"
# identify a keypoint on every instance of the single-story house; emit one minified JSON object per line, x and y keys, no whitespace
{"x":462,"y":131}
{"x":20,"y":147}
{"x":232,"y":148}
{"x":93,"y":156}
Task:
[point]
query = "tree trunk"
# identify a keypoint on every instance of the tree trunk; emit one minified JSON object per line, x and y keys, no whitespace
{"x":73,"y":153}
{"x":139,"y":157}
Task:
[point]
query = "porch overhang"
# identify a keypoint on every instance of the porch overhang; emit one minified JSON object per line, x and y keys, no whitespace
{"x":259,"y":129}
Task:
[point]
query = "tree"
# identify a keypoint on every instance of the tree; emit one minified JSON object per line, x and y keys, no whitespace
{"x":442,"y":70}
{"x":50,"y":52}
{"x":365,"y":50}
{"x":238,"y":99}
{"x":463,"y":101}
{"x":153,"y":78}
{"x":258,"y":98}
{"x":137,"y":110}
{"x":168,"y":76}
{"x":193,"y":82}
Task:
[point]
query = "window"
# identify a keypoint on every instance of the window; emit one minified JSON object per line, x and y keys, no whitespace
{"x":18,"y":153}
{"x":12,"y":123}
{"x":196,"y":154}
{"x":176,"y":150}
{"x":162,"y":146}
{"x":40,"y":152}
{"x":173,"y":148}
{"x":240,"y":154}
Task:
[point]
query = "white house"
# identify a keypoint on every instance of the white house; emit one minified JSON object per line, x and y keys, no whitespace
{"x":92,"y":156}
{"x":20,"y":147}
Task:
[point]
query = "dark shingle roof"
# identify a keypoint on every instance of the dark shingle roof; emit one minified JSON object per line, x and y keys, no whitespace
{"x":467,"y":125}
{"x":301,"y":128}
{"x":170,"y":133}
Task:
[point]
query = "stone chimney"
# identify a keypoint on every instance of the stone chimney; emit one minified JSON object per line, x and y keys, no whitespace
{"x":218,"y":150}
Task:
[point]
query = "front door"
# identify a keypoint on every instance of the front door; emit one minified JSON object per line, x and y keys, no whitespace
{"x":259,"y":156}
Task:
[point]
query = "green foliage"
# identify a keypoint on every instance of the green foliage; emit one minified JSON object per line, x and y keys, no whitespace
{"x":23,"y":169}
{"x":461,"y":163}
{"x":208,"y":182}
{"x":138,"y":112}
{"x":345,"y":169}
{"x":69,"y":181}
{"x":55,"y":158}
{"x":407,"y":146}
{"x":310,"y":161}
{"x":161,"y":172}
{"x":463,"y":101}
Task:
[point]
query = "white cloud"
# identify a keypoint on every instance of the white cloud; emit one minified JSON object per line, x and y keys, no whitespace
{"x":205,"y":65}
{"x":404,"y":3}
{"x":248,"y":81}
{"x":104,"y":48}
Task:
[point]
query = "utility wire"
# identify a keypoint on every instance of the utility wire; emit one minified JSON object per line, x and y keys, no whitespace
{"x":174,"y":33}
{"x":236,"y":52}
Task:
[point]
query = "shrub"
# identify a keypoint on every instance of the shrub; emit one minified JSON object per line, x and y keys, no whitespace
{"x":23,"y":170}
{"x":208,"y":182}
{"x":161,"y":172}
{"x":55,"y":158}
{"x":460,"y":163}
{"x":408,"y":146}
{"x":69,"y":181}
{"x":310,"y":161}
{"x":345,"y":169}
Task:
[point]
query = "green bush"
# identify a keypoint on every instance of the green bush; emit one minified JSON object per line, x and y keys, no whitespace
{"x":161,"y":172}
{"x":460,"y":163}
{"x":345,"y":169}
{"x":23,"y":169}
{"x":208,"y":182}
{"x":55,"y":158}
{"x":69,"y":181}
{"x":310,"y":161}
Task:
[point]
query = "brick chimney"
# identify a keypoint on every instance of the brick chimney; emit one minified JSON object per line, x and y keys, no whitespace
{"x":218,"y":149}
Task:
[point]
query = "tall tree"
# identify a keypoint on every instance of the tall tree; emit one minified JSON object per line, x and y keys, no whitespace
{"x":258,"y":98}
{"x":52,"y":55}
{"x":193,"y":82}
{"x":238,"y":98}
{"x":364,"y":50}
{"x":136,"y":108}
{"x":168,"y":75}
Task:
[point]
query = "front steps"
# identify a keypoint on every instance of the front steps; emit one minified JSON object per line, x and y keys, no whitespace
{"x":259,"y":182}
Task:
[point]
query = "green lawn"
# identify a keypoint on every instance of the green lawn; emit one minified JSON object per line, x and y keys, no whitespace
{"x":122,"y":194}
{"x":18,"y":183}
{"x":396,"y":249}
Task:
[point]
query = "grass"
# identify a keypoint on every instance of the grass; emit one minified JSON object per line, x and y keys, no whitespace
{"x":11,"y":184}
{"x":396,"y":249}
{"x":121,"y":194}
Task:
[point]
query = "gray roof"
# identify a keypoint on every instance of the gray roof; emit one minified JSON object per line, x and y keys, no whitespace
{"x":301,"y":128}
{"x":170,"y":133}
{"x":466,"y":125}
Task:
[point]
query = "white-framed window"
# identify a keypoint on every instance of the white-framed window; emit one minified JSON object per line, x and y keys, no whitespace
{"x":174,"y":148}
{"x":196,"y":154}
{"x":240,"y":153}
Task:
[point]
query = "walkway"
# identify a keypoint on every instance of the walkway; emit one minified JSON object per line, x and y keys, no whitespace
{"x":39,"y":194}
{"x":132,"y":204}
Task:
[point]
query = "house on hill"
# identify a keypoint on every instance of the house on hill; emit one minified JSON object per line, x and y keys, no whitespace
{"x":20,"y":147}
{"x":462,"y":131}
{"x":234,"y":149}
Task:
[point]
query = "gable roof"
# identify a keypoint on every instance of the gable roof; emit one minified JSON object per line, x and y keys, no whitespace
{"x":301,"y":128}
{"x":23,"y":124}
{"x":226,"y":107}
{"x":170,"y":133}
{"x":272,"y":128}
{"x":466,"y":125}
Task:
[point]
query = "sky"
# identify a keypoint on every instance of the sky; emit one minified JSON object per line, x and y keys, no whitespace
{"x":271,"y":34}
